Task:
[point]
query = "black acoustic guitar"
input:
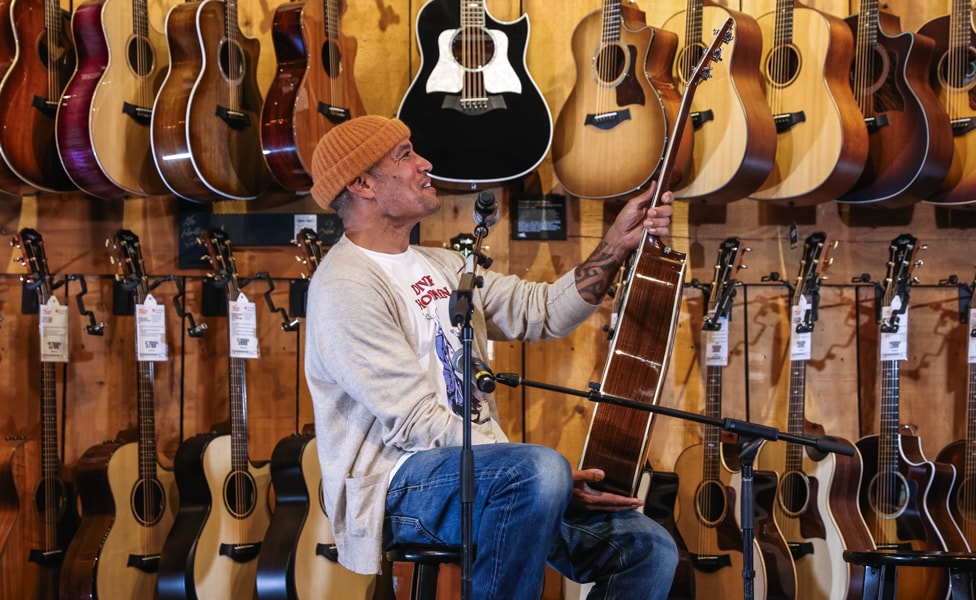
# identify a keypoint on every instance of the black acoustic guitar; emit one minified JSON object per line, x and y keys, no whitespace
{"x":473,"y":110}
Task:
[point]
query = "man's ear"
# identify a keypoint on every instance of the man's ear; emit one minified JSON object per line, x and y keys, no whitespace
{"x":361,"y":186}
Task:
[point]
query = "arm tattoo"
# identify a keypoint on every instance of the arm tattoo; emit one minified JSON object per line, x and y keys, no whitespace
{"x":595,"y":274}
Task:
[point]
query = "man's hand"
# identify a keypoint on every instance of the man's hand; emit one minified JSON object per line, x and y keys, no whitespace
{"x":586,"y":497}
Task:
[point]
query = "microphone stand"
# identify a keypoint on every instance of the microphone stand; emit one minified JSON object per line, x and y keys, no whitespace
{"x":751,"y":437}
{"x":461,"y":310}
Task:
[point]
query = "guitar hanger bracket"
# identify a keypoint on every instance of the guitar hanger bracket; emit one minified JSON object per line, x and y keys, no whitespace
{"x":93,"y":327}
{"x":179,"y":300}
{"x":288,"y":323}
{"x":965,"y":298}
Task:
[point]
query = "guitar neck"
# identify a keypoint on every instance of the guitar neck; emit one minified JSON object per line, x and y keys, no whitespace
{"x":783,"y":27}
{"x":888,"y":453}
{"x":50,"y":457}
{"x":238,"y":414}
{"x":473,"y":14}
{"x":147,"y":421}
{"x":712,"y":434}
{"x":611,"y":21}
{"x":796,"y":413}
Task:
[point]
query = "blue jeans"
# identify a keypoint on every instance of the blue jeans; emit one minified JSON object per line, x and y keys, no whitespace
{"x":520,"y":522}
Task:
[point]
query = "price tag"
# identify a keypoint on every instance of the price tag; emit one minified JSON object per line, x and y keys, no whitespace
{"x":717,"y":345}
{"x":972,"y":340}
{"x":151,"y":331}
{"x":243,"y":328}
{"x":894,"y":345}
{"x":800,"y":342}
{"x":54,"y":331}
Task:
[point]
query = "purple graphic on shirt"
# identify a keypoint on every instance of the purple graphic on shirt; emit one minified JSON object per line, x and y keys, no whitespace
{"x":452,"y":381}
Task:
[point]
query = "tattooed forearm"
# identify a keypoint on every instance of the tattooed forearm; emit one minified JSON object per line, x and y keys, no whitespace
{"x":595,"y":275}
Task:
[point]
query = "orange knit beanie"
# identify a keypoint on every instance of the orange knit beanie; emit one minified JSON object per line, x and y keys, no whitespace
{"x":348,"y":150}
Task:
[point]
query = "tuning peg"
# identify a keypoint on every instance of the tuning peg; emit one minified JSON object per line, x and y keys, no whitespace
{"x":919,"y":263}
{"x":915,"y":280}
{"x":706,"y":73}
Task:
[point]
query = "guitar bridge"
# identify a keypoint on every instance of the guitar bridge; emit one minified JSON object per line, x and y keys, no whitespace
{"x":700,"y":118}
{"x":877,"y":122}
{"x":139,"y":114}
{"x":240,"y":553}
{"x":47,"y":558}
{"x":787,"y":121}
{"x":335,"y":114}
{"x":235,"y":118}
{"x":710,"y":563}
{"x":48,"y":107}
{"x":607,"y":120}
{"x":329,"y":551}
{"x":473,"y":106}
{"x":147,"y":563}
{"x":963,"y":126}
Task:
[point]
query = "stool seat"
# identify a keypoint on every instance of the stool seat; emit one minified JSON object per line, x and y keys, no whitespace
{"x":881,"y":576}
{"x":426,"y":565}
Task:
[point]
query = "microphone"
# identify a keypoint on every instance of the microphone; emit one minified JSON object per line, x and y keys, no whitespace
{"x":486,"y":209}
{"x":483,"y":378}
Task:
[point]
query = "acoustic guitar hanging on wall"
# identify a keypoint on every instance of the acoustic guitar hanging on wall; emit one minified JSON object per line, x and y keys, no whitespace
{"x":473,"y":109}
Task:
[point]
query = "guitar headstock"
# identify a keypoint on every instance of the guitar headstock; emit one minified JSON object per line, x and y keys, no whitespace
{"x":703,"y":70}
{"x":902,"y":261}
{"x":312,"y":252}
{"x":128,"y":260}
{"x":222,"y":260}
{"x":37,"y":278}
{"x":722,"y":289}
{"x":815,"y":260}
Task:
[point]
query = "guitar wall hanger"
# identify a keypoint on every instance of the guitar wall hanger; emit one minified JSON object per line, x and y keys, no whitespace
{"x":965,"y":297}
{"x":93,"y":327}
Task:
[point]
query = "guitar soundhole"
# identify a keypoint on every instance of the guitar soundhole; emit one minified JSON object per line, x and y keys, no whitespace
{"x":881,"y":84}
{"x":610,"y":64}
{"x":963,"y":72}
{"x":710,"y":502}
{"x":688,"y":60}
{"x":888,"y":494}
{"x":966,"y":500}
{"x":331,"y":59}
{"x":148,"y":501}
{"x":56,"y":56}
{"x":231,"y":59}
{"x":794,"y":493}
{"x":782,"y":66}
{"x":50,"y":499}
{"x":240,"y":494}
{"x":140,"y":55}
{"x":473,"y":48}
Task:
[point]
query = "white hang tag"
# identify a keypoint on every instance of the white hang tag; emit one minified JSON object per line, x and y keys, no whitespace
{"x":894,"y":345}
{"x":972,"y":340}
{"x":800,"y":342}
{"x":151,"y":331}
{"x":54,"y":331}
{"x":717,"y":345}
{"x":243,"y":328}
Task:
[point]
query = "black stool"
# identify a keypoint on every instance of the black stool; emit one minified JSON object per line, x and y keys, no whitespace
{"x":881,"y":572}
{"x":427,"y":561}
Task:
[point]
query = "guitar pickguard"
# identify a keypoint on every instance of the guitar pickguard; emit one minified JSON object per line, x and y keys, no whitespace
{"x":497,"y":73}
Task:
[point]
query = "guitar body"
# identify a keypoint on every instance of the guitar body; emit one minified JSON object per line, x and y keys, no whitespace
{"x":816,"y":511}
{"x":314,"y":90}
{"x":953,"y":82}
{"x":708,"y":524}
{"x":960,"y":499}
{"x":103,"y":122}
{"x":29,"y":95}
{"x":470,"y":146}
{"x":297,"y":560}
{"x":910,"y":155}
{"x":659,"y":504}
{"x":823,"y":142}
{"x":596,"y":158}
{"x":30,"y":562}
{"x":9,"y":182}
{"x":124,"y":522}
{"x":912,"y":528}
{"x":212,"y":550}
{"x":734,"y":135}
{"x":218,"y":122}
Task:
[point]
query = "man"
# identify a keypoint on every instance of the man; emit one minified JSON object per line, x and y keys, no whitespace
{"x":386,"y":393}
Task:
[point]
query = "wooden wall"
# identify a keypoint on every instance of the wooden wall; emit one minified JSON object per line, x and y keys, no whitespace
{"x":98,"y":390}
